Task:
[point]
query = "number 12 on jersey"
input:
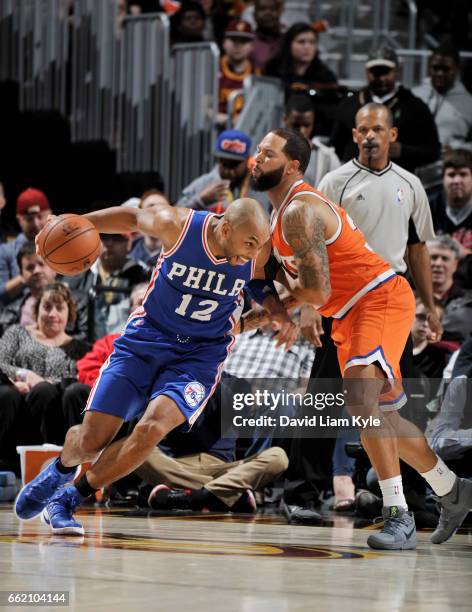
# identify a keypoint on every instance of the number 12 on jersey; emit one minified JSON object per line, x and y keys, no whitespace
{"x":204,"y":314}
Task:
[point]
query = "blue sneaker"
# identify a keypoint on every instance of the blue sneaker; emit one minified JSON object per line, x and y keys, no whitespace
{"x":58,"y":514}
{"x":34,"y":496}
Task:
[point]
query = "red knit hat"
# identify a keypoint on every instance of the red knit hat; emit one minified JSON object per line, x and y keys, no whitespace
{"x":30,"y":198}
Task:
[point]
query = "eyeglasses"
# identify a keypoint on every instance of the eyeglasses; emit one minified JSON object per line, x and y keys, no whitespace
{"x":421,"y":316}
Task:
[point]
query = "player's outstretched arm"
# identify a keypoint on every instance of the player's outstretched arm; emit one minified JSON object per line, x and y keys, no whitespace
{"x":164,"y":222}
{"x":304,"y":230}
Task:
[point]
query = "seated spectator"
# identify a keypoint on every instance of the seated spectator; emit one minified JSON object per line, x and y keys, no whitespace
{"x":115,"y":269}
{"x":457,"y":302}
{"x":88,"y":367}
{"x":229,"y":179}
{"x":32,"y":210}
{"x":297,"y":62}
{"x":40,"y":362}
{"x":452,"y":207}
{"x":147,"y":248}
{"x":429,"y":359}
{"x":450,"y":432}
{"x":188,"y":23}
{"x":418,"y":144}
{"x":300,"y":115}
{"x":197,"y":469}
{"x":235,"y":66}
{"x":256,"y":355}
{"x":448,"y":99}
{"x":36,"y":275}
{"x":269,"y":30}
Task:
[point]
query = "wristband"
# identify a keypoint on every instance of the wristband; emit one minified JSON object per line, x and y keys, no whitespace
{"x":259,"y":290}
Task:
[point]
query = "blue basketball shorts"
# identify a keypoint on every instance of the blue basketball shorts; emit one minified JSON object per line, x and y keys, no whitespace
{"x":146,"y":363}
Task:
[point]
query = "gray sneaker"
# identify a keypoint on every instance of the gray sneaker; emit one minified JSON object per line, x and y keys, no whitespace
{"x":398,"y":532}
{"x":455,"y":507}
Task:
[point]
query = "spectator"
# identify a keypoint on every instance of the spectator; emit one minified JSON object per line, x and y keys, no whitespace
{"x":448,"y":99}
{"x":450,"y":432}
{"x":300,"y":115}
{"x":297,"y":62}
{"x":418,"y":142}
{"x":457,"y":302}
{"x":147,"y":248}
{"x":188,"y":23}
{"x":257,"y":355}
{"x":37,"y":275}
{"x":203,"y":462}
{"x":235,"y":65}
{"x":269,"y":31}
{"x":40,"y":360}
{"x":429,"y":358}
{"x":228,"y":180}
{"x":32,"y":210}
{"x":115,"y":269}
{"x":452,"y":207}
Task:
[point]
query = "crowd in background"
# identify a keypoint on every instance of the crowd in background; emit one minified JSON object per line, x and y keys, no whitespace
{"x":56,"y":332}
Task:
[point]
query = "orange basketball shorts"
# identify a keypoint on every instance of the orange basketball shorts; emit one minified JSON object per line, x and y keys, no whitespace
{"x":375,"y":331}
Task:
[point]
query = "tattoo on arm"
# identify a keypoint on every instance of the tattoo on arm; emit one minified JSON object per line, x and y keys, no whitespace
{"x":304,"y":231}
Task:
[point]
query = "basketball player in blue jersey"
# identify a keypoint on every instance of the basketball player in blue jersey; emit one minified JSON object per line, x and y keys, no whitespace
{"x":168,"y":361}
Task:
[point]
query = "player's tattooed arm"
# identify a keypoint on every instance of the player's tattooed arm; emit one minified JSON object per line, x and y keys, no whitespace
{"x":304,"y":230}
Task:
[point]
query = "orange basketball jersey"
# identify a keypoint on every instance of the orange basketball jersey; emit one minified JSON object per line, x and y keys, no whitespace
{"x":353,"y":267}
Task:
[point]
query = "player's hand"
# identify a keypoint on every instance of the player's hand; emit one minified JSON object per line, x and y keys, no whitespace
{"x":214,"y":192}
{"x":50,"y":219}
{"x":310,"y":325}
{"x":434,"y":325}
{"x":287,"y":331}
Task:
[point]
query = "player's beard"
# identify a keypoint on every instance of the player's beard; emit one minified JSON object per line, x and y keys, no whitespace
{"x":267,"y":180}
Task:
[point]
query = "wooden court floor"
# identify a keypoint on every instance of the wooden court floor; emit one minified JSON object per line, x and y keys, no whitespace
{"x":222,"y":563}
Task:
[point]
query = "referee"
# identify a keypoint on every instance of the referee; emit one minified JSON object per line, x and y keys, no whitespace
{"x":387,"y":203}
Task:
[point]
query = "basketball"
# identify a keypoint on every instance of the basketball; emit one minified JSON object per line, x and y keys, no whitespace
{"x":69,"y":244}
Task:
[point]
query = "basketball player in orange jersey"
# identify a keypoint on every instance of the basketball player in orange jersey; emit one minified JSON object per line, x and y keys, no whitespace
{"x":325,"y":261}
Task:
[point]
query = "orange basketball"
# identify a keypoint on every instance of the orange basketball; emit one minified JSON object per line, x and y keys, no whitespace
{"x":69,"y":244}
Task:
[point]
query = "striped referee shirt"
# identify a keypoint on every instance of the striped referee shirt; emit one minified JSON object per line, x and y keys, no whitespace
{"x":389,"y":206}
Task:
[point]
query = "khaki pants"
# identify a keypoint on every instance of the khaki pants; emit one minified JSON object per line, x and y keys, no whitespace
{"x":227,"y":481}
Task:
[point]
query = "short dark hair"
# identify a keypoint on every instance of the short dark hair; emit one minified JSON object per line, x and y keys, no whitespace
{"x":458,"y":158}
{"x":60,"y":293}
{"x":26,"y":250}
{"x":151,"y":192}
{"x":301,"y":103}
{"x":297,"y":146}
{"x":447,"y":49}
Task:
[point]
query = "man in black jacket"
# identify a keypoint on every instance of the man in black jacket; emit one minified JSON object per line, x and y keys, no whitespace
{"x":419,"y":144}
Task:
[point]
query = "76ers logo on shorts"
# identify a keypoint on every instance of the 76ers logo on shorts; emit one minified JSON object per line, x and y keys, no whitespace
{"x":194,"y":392}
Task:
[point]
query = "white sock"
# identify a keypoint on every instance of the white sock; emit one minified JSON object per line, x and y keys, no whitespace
{"x":392,"y":492}
{"x":440,"y":478}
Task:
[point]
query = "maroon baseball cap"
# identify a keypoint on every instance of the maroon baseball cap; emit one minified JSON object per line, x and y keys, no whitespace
{"x":31,"y":199}
{"x":237,"y":28}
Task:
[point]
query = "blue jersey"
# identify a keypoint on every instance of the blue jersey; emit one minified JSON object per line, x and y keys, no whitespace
{"x":192,"y":293}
